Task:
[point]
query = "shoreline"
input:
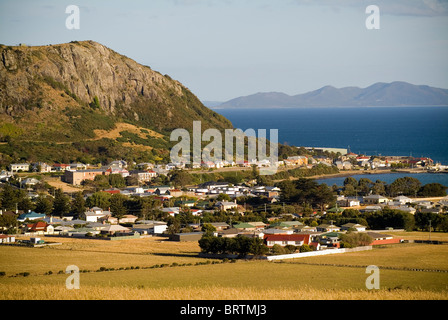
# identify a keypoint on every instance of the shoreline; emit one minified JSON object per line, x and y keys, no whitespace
{"x":350,"y":173}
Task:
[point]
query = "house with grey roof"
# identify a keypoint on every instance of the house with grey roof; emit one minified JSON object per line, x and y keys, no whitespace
{"x":375,"y":199}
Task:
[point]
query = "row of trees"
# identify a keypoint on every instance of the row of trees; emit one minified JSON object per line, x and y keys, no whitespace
{"x":240,"y":245}
{"x":407,"y":186}
{"x":393,"y":218}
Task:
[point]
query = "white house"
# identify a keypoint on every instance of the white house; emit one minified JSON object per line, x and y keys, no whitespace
{"x":29,"y":182}
{"x":356,"y":226}
{"x":403,"y":200}
{"x":226,"y":205}
{"x":150,"y":227}
{"x":15,"y":167}
{"x":286,"y":239}
{"x":41,"y":167}
{"x":375,"y":199}
{"x":96,"y":213}
{"x":7,"y":238}
{"x":342,"y":201}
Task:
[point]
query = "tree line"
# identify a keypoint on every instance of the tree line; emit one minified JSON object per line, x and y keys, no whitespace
{"x":239,"y":245}
{"x":406,"y":186}
{"x":390,"y":218}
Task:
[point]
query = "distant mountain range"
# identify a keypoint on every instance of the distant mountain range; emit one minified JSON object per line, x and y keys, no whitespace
{"x":396,"y":93}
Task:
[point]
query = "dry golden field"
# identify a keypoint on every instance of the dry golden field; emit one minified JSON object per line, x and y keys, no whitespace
{"x":154,"y":268}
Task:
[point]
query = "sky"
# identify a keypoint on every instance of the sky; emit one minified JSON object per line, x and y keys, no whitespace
{"x":223,"y":49}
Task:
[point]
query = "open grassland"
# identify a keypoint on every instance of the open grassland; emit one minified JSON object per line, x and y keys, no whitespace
{"x":52,"y":292}
{"x":93,"y":254}
{"x":180,"y":274}
{"x":398,"y":256}
{"x":418,"y":235}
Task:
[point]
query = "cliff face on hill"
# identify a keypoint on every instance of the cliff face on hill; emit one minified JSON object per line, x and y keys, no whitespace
{"x":67,"y":93}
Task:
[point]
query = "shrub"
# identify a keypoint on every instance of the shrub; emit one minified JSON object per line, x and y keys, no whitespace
{"x":305,"y":248}
{"x":277,"y":249}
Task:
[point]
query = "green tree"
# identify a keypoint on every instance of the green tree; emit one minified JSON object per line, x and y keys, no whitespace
{"x":117,"y":181}
{"x":364,"y":186}
{"x":117,"y":205}
{"x":10,"y":197}
{"x":208,"y":228}
{"x":79,"y":205}
{"x":25,"y":202}
{"x":101,"y":182}
{"x":422,"y":220}
{"x":406,"y":186}
{"x":288,"y":191}
{"x":443,"y":225}
{"x":349,"y":190}
{"x":205,"y":243}
{"x":379,"y":187}
{"x":147,"y":207}
{"x":432,"y":190}
{"x":99,"y":199}
{"x":390,"y":218}
{"x":181,"y":178}
{"x":61,"y":203}
{"x":350,"y":181}
{"x":257,"y":247}
{"x":350,"y":240}
{"x":173,"y":226}
{"x":323,"y":196}
{"x":223,"y":197}
{"x":8,"y":223}
{"x":44,"y":204}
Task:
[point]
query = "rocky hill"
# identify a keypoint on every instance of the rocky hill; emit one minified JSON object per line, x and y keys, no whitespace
{"x":83,"y":101}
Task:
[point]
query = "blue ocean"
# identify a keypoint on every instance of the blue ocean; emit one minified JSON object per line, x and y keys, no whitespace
{"x":398,"y":131}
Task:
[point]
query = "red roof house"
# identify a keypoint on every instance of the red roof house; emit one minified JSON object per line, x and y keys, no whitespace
{"x":37,"y":226}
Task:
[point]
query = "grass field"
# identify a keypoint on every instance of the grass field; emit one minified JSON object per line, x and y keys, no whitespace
{"x":180,"y":274}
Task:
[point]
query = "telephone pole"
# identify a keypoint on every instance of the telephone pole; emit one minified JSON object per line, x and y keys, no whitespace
{"x":429,"y":230}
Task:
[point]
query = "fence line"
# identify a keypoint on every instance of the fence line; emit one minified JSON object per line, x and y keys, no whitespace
{"x":317,"y":253}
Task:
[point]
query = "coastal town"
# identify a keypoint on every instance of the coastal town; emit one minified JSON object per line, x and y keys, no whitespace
{"x":185,"y":212}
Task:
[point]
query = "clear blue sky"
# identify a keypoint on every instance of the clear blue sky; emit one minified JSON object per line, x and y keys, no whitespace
{"x":222,"y":49}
